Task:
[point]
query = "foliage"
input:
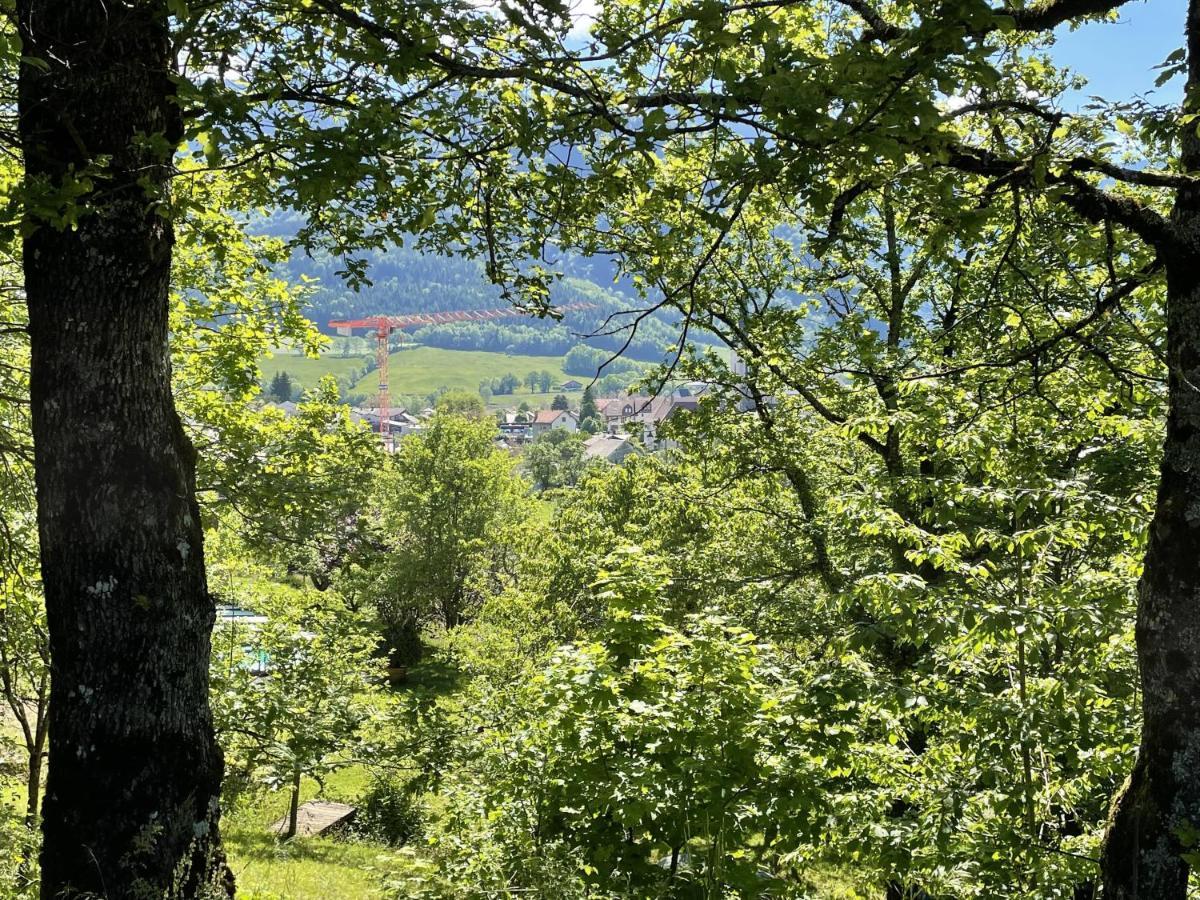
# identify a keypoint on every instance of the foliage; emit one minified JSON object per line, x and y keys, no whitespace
{"x":19,"y":845}
{"x":649,"y":760}
{"x":447,"y":506}
{"x":589,"y":414}
{"x":281,"y":387}
{"x":462,"y":404}
{"x":389,"y":813}
{"x":555,"y":459}
{"x":589,"y":362}
{"x":288,"y":694}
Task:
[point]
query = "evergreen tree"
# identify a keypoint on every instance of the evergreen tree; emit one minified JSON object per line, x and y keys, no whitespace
{"x":281,"y":387}
{"x":589,"y":415}
{"x":559,"y":402}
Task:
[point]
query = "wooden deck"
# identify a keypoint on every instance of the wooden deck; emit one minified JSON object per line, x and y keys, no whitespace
{"x":316,"y":817}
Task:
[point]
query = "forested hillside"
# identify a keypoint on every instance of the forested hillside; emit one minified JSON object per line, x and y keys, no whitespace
{"x":403,"y":280}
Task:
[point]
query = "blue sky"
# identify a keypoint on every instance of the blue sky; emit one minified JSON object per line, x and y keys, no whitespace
{"x":1118,"y":59}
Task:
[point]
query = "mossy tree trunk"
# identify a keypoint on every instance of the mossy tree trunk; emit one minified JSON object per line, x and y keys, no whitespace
{"x":132,"y":797}
{"x":1155,"y":823}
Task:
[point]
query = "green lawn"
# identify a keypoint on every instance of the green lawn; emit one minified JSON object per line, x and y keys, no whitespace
{"x":324,"y":868}
{"x":304,"y":868}
{"x":307,"y":372}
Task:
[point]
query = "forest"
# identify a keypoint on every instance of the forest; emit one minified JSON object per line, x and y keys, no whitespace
{"x":886,"y":589}
{"x":403,"y":280}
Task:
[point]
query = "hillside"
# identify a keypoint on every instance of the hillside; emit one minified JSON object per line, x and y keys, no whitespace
{"x":418,"y":371}
{"x":404,"y":280}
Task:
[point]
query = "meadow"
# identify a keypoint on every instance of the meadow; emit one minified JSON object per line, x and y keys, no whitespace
{"x":419,"y":371}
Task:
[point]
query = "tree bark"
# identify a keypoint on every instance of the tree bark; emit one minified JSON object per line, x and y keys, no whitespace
{"x":33,"y":786}
{"x":294,"y":807}
{"x":132,"y":798}
{"x":1156,"y":817}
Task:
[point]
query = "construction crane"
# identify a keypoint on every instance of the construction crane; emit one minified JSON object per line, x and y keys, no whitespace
{"x":383,"y":326}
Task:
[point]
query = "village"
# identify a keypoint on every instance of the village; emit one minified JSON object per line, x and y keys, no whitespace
{"x":613,"y":428}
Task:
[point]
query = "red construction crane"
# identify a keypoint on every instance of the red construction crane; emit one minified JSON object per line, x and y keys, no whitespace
{"x":383,"y":326}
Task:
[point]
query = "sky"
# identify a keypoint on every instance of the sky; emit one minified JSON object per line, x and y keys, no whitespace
{"x":1118,"y":59}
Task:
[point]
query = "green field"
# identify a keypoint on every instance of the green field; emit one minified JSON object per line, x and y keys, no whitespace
{"x":422,"y":370}
{"x":307,"y":372}
{"x":419,"y":371}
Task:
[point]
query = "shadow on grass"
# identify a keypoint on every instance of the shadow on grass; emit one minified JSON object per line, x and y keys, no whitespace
{"x":265,"y":846}
{"x":433,"y":677}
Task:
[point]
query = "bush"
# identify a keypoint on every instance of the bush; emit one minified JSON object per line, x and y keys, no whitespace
{"x":390,"y":813}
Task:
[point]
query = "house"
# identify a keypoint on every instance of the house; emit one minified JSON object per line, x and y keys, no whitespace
{"x":612,"y":448}
{"x":616,"y":411}
{"x":571,"y":385}
{"x":400,"y":421}
{"x":547,"y":419}
{"x":659,"y":411}
{"x":644,"y":415}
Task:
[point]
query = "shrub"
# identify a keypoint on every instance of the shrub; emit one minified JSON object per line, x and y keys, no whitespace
{"x":390,"y":813}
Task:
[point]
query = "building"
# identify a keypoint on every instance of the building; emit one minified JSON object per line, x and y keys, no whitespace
{"x":400,"y":421}
{"x":611,"y":448}
{"x":643,"y":415}
{"x":515,"y":432}
{"x":571,"y":385}
{"x":616,"y":411}
{"x":659,"y":411}
{"x":546,"y":419}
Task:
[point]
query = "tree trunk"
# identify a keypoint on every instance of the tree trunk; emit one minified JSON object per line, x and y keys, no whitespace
{"x":1156,"y":816}
{"x":33,"y":787}
{"x":294,"y":807}
{"x":132,"y":800}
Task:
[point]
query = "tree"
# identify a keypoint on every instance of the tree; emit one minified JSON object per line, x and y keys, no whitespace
{"x":765,"y":111}
{"x":1020,"y":154}
{"x":531,"y":381}
{"x":589,"y":414}
{"x":133,"y":794}
{"x":462,"y":403}
{"x":281,"y":386}
{"x":555,"y":459}
{"x":24,"y":644}
{"x":446,"y":509}
{"x":559,"y":402}
{"x":646,"y":760}
{"x":290,"y":694}
{"x":545,"y":381}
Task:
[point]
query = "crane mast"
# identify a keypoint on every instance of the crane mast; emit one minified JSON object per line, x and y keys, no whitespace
{"x":383,"y":326}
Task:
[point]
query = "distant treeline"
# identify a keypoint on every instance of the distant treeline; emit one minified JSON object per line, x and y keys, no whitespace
{"x":407,"y":281}
{"x":583,"y":360}
{"x":497,"y":337}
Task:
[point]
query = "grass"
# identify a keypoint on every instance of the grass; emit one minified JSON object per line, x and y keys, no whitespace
{"x":323,"y":868}
{"x":422,"y":370}
{"x":308,"y":372}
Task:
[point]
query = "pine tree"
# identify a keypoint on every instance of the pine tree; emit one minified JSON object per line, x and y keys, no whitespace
{"x":281,"y":387}
{"x":589,"y":414}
